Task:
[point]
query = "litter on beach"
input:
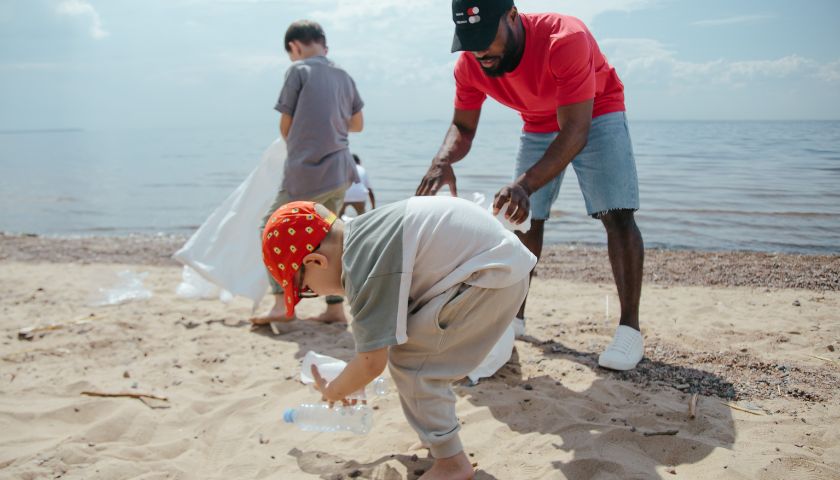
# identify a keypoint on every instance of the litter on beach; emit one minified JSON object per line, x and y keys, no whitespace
{"x":127,"y":287}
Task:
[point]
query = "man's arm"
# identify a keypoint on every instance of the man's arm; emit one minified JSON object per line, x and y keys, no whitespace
{"x":285,"y":125}
{"x":574,"y":121}
{"x":455,"y":146}
{"x":362,"y":370}
{"x":372,"y":199}
{"x":356,"y":123}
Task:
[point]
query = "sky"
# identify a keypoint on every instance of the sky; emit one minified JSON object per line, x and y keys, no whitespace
{"x":103,"y":64}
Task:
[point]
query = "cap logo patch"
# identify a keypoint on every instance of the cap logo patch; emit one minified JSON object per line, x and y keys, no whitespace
{"x":474,"y":19}
{"x":472,"y":11}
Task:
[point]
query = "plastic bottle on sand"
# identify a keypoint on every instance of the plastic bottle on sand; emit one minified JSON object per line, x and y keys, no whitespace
{"x":319,"y":417}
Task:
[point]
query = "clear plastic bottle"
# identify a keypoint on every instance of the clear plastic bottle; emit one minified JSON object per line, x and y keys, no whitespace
{"x":319,"y":417}
{"x":378,"y":387}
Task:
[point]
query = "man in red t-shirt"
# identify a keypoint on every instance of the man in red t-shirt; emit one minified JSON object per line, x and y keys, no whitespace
{"x":549,"y":68}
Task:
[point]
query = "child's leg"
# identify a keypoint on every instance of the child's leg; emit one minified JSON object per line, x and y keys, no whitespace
{"x":447,"y":339}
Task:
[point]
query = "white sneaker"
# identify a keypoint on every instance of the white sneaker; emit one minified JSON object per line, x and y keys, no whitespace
{"x":518,"y":327}
{"x":625,"y":351}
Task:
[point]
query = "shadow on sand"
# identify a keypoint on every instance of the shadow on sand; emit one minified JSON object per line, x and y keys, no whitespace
{"x":595,"y":437}
{"x":612,"y":421}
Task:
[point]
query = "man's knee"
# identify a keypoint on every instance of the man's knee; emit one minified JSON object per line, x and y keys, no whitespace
{"x":618,"y":220}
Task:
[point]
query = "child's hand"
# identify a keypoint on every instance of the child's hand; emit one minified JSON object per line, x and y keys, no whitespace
{"x":321,"y":386}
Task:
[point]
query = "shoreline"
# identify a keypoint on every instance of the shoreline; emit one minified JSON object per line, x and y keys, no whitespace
{"x":588,"y":264}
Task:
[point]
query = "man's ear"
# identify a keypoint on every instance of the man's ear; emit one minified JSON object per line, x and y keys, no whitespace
{"x":316,"y":260}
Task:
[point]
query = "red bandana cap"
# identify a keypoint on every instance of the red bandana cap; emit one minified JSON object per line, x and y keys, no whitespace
{"x":293,"y":231}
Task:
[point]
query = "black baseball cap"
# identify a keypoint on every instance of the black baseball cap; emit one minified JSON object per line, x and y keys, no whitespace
{"x":476,"y":23}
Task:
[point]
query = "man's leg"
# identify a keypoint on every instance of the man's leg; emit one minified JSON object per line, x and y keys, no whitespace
{"x":627,"y":253}
{"x":532,"y":146}
{"x":533,"y":241}
{"x":359,"y":207}
{"x":606,"y":171}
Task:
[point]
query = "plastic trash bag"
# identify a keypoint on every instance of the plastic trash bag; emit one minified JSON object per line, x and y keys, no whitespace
{"x":128,"y":286}
{"x":481,"y":200}
{"x":496,"y":359}
{"x":193,"y":286}
{"x":226,"y":250}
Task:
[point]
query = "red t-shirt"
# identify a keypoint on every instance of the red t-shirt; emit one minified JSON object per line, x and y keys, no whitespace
{"x":561,"y":65}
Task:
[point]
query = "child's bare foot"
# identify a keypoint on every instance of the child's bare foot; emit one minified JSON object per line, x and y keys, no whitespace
{"x":456,"y":467}
{"x":276,"y":314}
{"x":333,"y":314}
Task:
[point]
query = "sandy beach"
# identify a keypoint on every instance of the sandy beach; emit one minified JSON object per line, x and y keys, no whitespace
{"x":756,"y":336}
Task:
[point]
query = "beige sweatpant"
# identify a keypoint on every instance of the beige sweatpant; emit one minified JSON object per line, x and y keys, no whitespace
{"x":447,"y":338}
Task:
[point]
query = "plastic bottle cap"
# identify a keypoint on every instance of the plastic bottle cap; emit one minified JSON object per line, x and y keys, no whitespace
{"x":289,"y":415}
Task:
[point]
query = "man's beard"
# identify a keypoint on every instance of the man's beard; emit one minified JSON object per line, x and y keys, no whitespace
{"x":508,"y":60}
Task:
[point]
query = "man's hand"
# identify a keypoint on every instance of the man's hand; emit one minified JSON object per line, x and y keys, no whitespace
{"x":518,"y":202}
{"x":439,"y":174}
{"x":455,"y":146}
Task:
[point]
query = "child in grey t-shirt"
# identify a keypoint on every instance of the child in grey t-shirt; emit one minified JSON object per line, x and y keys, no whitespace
{"x":432,"y":282}
{"x":319,"y":105}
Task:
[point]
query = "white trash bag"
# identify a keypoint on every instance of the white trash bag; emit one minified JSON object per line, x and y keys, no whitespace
{"x":481,"y":200}
{"x":226,"y":249}
{"x":496,"y":359}
{"x":195,"y":287}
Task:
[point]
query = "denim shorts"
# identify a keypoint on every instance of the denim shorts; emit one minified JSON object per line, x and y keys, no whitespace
{"x":605,"y":168}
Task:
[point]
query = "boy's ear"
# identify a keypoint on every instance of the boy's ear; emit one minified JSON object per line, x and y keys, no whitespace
{"x":295,"y":47}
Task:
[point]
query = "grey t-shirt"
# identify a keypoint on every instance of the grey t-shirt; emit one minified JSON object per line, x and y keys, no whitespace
{"x":398,"y":257}
{"x":321,"y":98}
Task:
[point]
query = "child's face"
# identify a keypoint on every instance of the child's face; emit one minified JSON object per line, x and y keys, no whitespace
{"x":320,"y":274}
